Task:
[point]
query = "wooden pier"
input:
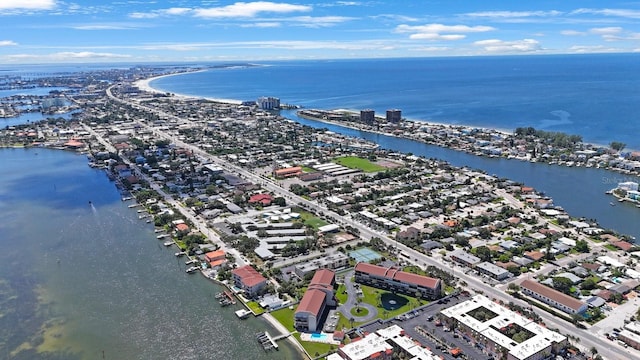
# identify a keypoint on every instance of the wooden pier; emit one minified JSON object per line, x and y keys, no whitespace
{"x":267,"y":342}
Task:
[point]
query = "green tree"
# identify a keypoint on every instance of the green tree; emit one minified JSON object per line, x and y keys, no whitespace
{"x":562,"y":284}
{"x":617,"y":146}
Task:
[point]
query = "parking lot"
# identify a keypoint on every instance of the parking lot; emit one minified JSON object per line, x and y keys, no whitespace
{"x":420,"y":325}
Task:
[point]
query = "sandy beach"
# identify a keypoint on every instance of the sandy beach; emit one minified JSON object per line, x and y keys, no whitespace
{"x":145,"y":85}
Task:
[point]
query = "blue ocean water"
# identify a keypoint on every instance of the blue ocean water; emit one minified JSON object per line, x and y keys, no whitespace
{"x":595,"y":96}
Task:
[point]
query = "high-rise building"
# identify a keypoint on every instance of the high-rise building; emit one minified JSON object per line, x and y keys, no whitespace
{"x":268,"y":103}
{"x":394,"y":116}
{"x":367,"y":116}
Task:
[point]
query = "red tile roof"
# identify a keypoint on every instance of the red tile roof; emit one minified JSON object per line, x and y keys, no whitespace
{"x":215,"y":255}
{"x":323,"y":277}
{"x":398,"y":275}
{"x":552,"y":294}
{"x":312,"y":302}
{"x":265,"y":199}
{"x":182,"y":227}
{"x":249,"y":276}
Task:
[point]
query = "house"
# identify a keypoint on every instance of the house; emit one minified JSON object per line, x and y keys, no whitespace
{"x":248,"y":280}
{"x":410,"y":234}
{"x":318,"y":297}
{"x":263,"y":199}
{"x":215,"y":258}
{"x":533,"y":255}
{"x":553,"y":297}
{"x":396,"y":280}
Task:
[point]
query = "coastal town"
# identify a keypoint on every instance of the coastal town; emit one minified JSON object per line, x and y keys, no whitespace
{"x":351,"y":251}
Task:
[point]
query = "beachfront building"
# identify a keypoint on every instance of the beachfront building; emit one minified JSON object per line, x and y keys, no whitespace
{"x":394,"y":116}
{"x":553,"y":297}
{"x":367,"y":116}
{"x":502,"y":333}
{"x":268,"y":103}
{"x":318,"y":297}
{"x":249,"y":280}
{"x":393,"y":279}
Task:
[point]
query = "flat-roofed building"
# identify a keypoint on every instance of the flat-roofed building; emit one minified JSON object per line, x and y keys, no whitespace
{"x":332,"y":262}
{"x":553,"y":297}
{"x":319,"y":296}
{"x":396,"y":280}
{"x":394,"y":116}
{"x":492,"y":270}
{"x":368,"y":116}
{"x":464,"y":257}
{"x":371,"y":346}
{"x":502,"y":333}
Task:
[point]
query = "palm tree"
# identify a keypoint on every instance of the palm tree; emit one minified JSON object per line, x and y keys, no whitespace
{"x":593,"y":351}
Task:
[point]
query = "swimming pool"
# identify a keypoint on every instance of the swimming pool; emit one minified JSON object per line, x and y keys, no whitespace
{"x":319,"y":337}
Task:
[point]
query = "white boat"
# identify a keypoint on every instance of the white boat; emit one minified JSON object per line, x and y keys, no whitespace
{"x":191,"y":270}
{"x":180,"y":253}
{"x":189,"y":262}
{"x":168,"y":243}
{"x":162,"y":236}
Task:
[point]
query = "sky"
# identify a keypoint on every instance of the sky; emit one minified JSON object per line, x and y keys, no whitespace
{"x":85,"y":31}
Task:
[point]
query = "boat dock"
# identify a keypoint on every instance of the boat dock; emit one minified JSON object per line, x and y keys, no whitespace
{"x":226,"y":298}
{"x":267,"y":342}
{"x":243,"y":313}
{"x":189,"y":262}
{"x":134,"y":205}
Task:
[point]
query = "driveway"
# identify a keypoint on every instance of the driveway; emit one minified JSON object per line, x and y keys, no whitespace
{"x":345,"y":309}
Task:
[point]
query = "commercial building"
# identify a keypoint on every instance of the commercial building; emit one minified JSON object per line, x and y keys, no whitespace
{"x":287,"y":172}
{"x":492,"y":270}
{"x":630,"y":335}
{"x":552,"y":297}
{"x":394,"y":279}
{"x":502,"y":333}
{"x":249,"y":280}
{"x":394,"y":116}
{"x":464,"y":257}
{"x":319,"y":296}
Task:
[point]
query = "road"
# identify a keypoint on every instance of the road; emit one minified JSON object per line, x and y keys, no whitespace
{"x":587,"y":338}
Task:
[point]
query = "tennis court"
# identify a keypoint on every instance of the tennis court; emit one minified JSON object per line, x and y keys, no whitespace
{"x":364,"y":255}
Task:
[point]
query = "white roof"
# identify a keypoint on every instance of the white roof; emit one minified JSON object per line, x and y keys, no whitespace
{"x":365,"y":347}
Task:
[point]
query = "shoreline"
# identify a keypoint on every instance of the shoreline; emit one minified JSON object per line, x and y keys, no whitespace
{"x":145,"y":85}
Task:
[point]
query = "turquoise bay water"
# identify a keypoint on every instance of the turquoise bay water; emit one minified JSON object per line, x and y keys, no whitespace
{"x":80,"y":279}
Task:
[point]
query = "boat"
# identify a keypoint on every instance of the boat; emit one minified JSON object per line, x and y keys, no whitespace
{"x":168,"y":243}
{"x":127,"y":198}
{"x":189,"y":262}
{"x":180,"y":253}
{"x":162,"y":236}
{"x":191,"y":270}
{"x":612,"y":203}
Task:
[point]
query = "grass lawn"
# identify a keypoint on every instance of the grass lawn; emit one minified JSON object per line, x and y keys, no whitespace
{"x":363,"y":311}
{"x":285,"y":317}
{"x":354,"y":162}
{"x":371,"y":297}
{"x":315,"y":349}
{"x":611,"y":247}
{"x":342,"y":297}
{"x":255,"y":307}
{"x":308,"y":169}
{"x":311,"y":220}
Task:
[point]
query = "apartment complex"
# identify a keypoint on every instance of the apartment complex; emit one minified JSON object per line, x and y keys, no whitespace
{"x":319,"y":296}
{"x":394,"y":279}
{"x":249,"y":280}
{"x":553,"y":297}
{"x":502,"y":333}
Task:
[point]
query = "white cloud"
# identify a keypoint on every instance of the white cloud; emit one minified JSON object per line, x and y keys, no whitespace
{"x":512,"y":14}
{"x":440,"y":31}
{"x":249,"y":9}
{"x":262,"y":25}
{"x":582,"y":49}
{"x":394,"y":17}
{"x":626,"y":13}
{"x":27,"y":4}
{"x":502,"y":46}
{"x":66,"y":56}
{"x":8,"y":43}
{"x":159,"y":13}
{"x":105,"y":27}
{"x":572,"y":33}
{"x":320,"y":21}
{"x":606,"y":30}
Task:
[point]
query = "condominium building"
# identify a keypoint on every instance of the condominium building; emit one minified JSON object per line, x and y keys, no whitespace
{"x":249,"y":280}
{"x":396,"y":280}
{"x":553,"y":297}
{"x":502,"y":333}
{"x":319,"y":296}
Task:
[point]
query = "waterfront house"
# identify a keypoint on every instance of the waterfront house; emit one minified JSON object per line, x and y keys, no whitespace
{"x":215,"y":258}
{"x":249,"y":280}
